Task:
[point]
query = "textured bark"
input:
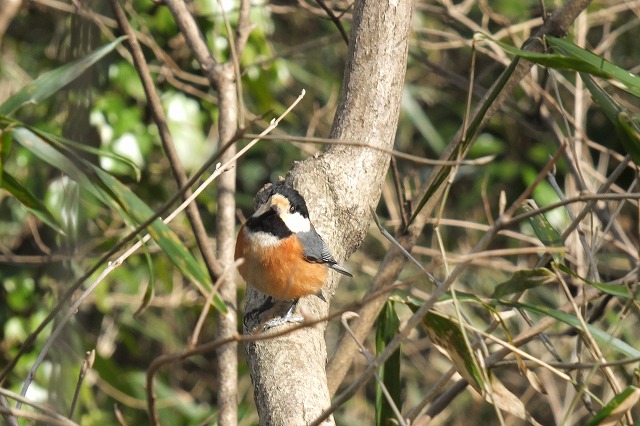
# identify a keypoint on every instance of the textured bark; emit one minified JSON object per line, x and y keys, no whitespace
{"x":340,"y":187}
{"x":223,"y":79}
{"x":227,"y":359}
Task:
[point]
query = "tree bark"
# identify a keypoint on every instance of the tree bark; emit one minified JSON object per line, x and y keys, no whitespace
{"x":223,"y":79}
{"x":227,"y":359}
{"x":340,"y":187}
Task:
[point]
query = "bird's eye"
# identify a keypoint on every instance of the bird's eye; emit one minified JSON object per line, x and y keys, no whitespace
{"x":292,"y":209}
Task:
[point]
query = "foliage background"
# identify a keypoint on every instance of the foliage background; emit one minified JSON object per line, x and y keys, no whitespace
{"x":294,"y":46}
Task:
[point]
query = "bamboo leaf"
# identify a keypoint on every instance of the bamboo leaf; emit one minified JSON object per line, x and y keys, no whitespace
{"x":29,"y":201}
{"x":545,"y":232}
{"x":446,"y":333}
{"x":523,"y":280}
{"x":603,"y":338}
{"x":614,"y":410}
{"x":631,"y":127}
{"x":630,"y":82}
{"x":421,"y":121}
{"x":117,"y":196}
{"x":570,"y":57}
{"x":625,"y":128}
{"x":550,"y":60}
{"x":618,"y":290}
{"x":53,"y":81}
{"x":387,"y":329}
{"x":49,"y":154}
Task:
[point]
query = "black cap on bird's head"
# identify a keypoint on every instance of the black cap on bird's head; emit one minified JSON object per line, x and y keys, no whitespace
{"x":286,"y":190}
{"x":296,"y":202}
{"x":281,"y":210}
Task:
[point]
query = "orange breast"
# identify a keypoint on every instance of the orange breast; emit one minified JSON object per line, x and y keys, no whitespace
{"x":279,"y":271}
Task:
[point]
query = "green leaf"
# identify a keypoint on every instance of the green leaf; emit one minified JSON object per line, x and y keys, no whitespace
{"x":120,"y":198}
{"x":53,"y":81}
{"x":447,"y":334}
{"x":615,"y":409}
{"x":388,"y":327}
{"x":574,"y":58}
{"x":545,"y":232}
{"x":631,"y":127}
{"x":550,"y":60}
{"x":421,"y":121}
{"x":603,"y":338}
{"x":29,"y":201}
{"x":160,"y":232}
{"x":63,"y":142}
{"x":60,"y":143}
{"x":618,"y":290}
{"x":49,"y":154}
{"x":630,"y":82}
{"x":151,"y":287}
{"x":523,"y":280}
{"x":625,"y":128}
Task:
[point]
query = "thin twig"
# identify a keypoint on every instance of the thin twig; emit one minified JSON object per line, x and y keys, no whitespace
{"x":87,"y":363}
{"x":571,"y":365}
{"x":39,"y":417}
{"x":45,"y":410}
{"x":413,"y":158}
{"x":408,"y":255}
{"x":335,"y":20}
{"x":155,"y":105}
{"x":344,"y":320}
{"x":193,"y":341}
{"x":8,"y":417}
{"x":579,"y":199}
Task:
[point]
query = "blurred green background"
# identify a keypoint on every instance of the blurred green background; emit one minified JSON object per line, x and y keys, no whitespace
{"x":292,"y":47}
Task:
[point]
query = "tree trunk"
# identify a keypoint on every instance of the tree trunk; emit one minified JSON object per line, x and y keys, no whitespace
{"x":340,"y":187}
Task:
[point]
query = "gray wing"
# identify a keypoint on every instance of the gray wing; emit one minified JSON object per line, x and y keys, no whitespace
{"x":317,"y":251}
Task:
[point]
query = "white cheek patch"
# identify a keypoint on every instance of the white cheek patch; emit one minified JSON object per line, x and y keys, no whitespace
{"x":296,"y":222}
{"x":262,"y":239}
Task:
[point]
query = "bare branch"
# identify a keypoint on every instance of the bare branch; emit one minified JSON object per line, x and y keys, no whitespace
{"x":344,"y":184}
{"x":394,"y":260}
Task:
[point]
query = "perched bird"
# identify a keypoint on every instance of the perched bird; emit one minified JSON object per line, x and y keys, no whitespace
{"x":284,"y":256}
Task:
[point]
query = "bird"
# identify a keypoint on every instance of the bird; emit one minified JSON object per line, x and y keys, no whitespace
{"x":284,"y":256}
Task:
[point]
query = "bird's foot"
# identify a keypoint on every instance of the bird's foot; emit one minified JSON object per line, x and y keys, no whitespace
{"x":278,"y":321}
{"x":270,"y":305}
{"x":254,"y":314}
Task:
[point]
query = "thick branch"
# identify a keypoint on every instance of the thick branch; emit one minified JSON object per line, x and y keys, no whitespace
{"x":340,"y":186}
{"x":222,"y":77}
{"x":227,"y":360}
